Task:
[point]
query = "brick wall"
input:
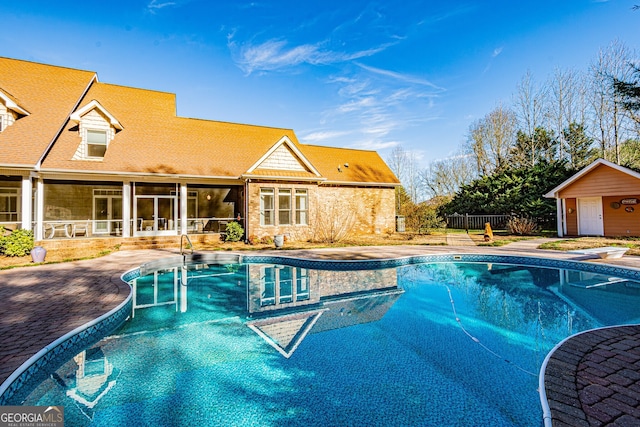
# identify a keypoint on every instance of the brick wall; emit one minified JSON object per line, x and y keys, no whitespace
{"x":361,"y":210}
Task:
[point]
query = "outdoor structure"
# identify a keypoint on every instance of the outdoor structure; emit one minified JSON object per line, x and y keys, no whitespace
{"x":600,"y":200}
{"x":79,"y":157}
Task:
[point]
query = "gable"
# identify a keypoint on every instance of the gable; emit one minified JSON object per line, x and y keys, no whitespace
{"x":282,"y":158}
{"x":602,"y":181}
{"x":285,"y":333}
{"x":600,"y":178}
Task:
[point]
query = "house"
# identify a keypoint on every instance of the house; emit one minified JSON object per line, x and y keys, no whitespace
{"x":600,"y":200}
{"x":79,"y":157}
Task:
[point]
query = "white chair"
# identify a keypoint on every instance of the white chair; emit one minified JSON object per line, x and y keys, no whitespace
{"x":80,"y":228}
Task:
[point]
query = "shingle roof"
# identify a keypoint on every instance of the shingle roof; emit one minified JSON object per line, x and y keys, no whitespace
{"x":153,"y":139}
{"x":49,"y":94}
{"x":344,"y":165}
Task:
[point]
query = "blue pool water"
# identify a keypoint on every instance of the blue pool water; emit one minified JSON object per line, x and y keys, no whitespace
{"x":273,"y":345}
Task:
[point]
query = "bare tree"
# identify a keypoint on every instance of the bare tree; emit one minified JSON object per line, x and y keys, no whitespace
{"x":405,"y":166}
{"x":567,"y":104}
{"x":492,"y":138}
{"x":609,"y":120}
{"x":530,"y":104}
{"x":444,"y":177}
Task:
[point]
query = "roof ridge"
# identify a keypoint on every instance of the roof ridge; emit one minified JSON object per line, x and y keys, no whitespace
{"x":137,"y":88}
{"x":337,"y":148}
{"x":48,"y":65}
{"x":234,"y":123}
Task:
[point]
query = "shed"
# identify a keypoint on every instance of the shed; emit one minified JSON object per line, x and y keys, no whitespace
{"x":600,"y":200}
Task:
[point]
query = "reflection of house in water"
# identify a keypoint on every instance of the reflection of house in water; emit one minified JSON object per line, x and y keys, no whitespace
{"x":283,"y":303}
{"x":94,"y":377}
{"x":288,"y":303}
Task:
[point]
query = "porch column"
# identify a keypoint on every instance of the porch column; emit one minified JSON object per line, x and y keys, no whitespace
{"x":183,"y":207}
{"x":39,"y":231}
{"x":126,"y":209}
{"x":560,"y":216}
{"x":27,"y":203}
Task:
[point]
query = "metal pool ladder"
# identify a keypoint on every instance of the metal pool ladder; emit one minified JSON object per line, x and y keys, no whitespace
{"x":182,"y":248}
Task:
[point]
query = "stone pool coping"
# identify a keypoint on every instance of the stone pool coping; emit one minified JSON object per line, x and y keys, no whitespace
{"x":91,"y":279}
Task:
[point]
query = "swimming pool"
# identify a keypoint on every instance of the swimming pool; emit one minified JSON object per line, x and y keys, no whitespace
{"x":281,"y":343}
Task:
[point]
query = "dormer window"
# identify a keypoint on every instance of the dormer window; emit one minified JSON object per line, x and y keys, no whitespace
{"x":97,"y":129}
{"x":96,"y":143}
{"x":9,"y":111}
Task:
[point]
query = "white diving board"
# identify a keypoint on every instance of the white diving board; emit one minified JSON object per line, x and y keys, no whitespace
{"x":604,"y":252}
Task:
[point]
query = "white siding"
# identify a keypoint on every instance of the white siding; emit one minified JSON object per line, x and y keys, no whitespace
{"x":282,"y":159}
{"x":93,"y":120}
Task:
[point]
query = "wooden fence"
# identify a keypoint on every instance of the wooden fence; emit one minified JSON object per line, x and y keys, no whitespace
{"x":476,"y":222}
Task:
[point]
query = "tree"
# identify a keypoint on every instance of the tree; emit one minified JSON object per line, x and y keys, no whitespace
{"x":609,"y":119}
{"x":530,"y":149}
{"x":579,"y":145}
{"x":629,"y":93}
{"x":516,"y":191}
{"x":566,"y":105}
{"x":445,"y":176}
{"x":530,"y":106}
{"x":491,"y":139}
{"x":405,"y":166}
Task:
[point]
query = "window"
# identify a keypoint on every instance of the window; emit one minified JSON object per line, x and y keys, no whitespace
{"x":267,"y":206}
{"x":1,"y":122}
{"x":8,"y":204}
{"x":302,"y":207}
{"x":96,"y":143}
{"x":284,"y":206}
{"x":292,"y":206}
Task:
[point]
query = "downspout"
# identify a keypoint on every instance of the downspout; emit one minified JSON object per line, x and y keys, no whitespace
{"x":246,"y":209}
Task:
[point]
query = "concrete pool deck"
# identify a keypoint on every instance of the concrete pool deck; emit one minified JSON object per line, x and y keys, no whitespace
{"x":591,"y":379}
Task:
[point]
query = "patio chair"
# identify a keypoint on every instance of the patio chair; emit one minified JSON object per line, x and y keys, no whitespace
{"x":80,"y":228}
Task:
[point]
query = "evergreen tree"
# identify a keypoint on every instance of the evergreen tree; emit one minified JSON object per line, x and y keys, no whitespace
{"x":518,"y":191}
{"x":579,"y":147}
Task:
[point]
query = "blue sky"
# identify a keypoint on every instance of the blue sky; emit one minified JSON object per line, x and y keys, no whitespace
{"x":358,"y":74}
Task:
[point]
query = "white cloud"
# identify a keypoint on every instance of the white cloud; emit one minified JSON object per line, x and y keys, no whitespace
{"x":155,"y":5}
{"x":323,"y":136}
{"x":401,"y":77}
{"x":276,"y":54}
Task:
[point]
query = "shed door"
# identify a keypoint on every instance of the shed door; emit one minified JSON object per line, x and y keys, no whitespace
{"x":590,"y":217}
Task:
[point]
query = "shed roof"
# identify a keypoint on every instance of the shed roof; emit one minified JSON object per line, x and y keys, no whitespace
{"x":626,"y":174}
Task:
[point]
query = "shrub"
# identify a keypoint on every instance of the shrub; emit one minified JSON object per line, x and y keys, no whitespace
{"x":3,"y":238}
{"x":253,"y":239}
{"x":233,"y":232}
{"x":522,"y":226}
{"x":18,"y":243}
{"x":266,"y":240}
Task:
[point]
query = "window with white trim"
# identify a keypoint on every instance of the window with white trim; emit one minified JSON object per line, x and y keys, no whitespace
{"x":266,"y":206}
{"x":284,"y":206}
{"x":292,"y":206}
{"x":302,"y":207}
{"x":96,"y":143}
